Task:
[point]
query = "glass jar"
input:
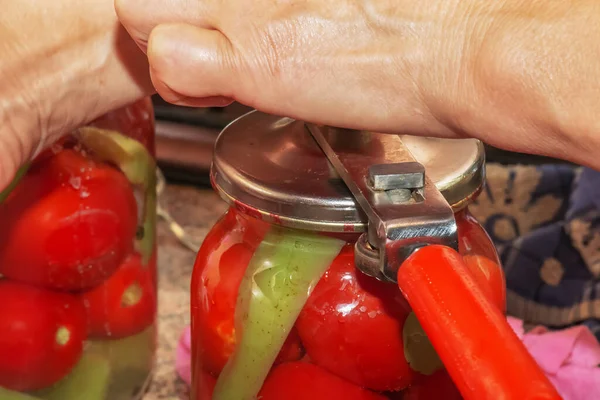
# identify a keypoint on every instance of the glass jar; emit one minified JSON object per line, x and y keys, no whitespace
{"x":78,"y":265}
{"x":279,"y":308}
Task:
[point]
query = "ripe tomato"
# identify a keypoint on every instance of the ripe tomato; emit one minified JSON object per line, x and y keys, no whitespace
{"x":438,"y":386}
{"x":68,"y":224}
{"x":481,"y":257}
{"x":292,"y":349}
{"x":204,"y":389}
{"x":490,"y":277}
{"x":352,"y":326}
{"x":123,"y":305}
{"x":473,"y":239}
{"x":62,"y":143}
{"x":302,"y":381}
{"x":218,"y":272}
{"x":41,"y":336}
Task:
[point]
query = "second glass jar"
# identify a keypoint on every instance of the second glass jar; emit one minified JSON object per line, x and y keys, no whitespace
{"x":78,"y":265}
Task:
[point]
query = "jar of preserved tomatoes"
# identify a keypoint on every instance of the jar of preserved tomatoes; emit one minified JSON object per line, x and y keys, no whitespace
{"x":294,"y":292}
{"x":78,"y":265}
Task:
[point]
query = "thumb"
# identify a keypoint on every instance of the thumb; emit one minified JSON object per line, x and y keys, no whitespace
{"x":192,"y":66}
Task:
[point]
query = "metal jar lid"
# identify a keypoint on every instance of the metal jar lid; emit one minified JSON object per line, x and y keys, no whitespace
{"x":272,"y":168}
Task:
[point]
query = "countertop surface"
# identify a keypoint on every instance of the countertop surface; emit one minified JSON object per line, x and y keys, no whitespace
{"x":196,"y":210}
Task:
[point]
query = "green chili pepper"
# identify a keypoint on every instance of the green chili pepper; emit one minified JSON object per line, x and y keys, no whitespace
{"x":89,"y":380}
{"x":418,"y":350}
{"x":280,"y":277}
{"x":131,"y":359}
{"x":6,"y":394}
{"x":138,"y":166}
{"x":133,"y":353}
{"x":11,"y":186}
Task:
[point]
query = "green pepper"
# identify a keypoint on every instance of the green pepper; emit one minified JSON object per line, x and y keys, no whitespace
{"x":279,"y":279}
{"x":11,"y":186}
{"x":131,"y":359}
{"x":6,"y":394}
{"x":134,"y":160}
{"x":89,"y":380}
{"x":135,"y":351}
{"x":418,"y":350}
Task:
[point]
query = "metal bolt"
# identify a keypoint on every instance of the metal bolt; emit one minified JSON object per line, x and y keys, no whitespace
{"x":407,"y":175}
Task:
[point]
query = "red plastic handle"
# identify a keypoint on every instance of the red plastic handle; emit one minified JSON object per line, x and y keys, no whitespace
{"x":472,"y":337}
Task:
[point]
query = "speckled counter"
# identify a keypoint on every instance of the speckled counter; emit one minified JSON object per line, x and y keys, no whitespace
{"x":196,"y":210}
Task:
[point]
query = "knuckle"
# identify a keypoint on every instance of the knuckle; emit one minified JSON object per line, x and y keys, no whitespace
{"x":273,"y":49}
{"x":272,"y":52}
{"x":123,"y":10}
{"x":135,"y":18}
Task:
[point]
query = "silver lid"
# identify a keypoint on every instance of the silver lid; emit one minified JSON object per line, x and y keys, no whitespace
{"x":272,"y":168}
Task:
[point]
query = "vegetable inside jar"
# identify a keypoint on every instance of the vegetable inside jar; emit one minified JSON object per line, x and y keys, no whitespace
{"x":78,"y":265}
{"x":280,"y":309}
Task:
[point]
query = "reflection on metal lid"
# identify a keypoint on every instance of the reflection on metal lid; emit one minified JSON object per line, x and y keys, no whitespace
{"x":272,"y":166}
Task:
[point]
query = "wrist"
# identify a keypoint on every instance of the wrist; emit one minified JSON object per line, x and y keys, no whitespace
{"x":523,"y":86}
{"x":74,"y":66}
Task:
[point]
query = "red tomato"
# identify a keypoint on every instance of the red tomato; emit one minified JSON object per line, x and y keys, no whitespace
{"x":56,"y":147}
{"x":68,"y":224}
{"x":41,"y":336}
{"x":352,"y":326}
{"x":481,"y":257}
{"x":204,"y":388}
{"x":123,"y":305}
{"x":292,"y":349}
{"x":135,"y":120}
{"x":439,"y":385}
{"x":490,"y":277}
{"x":218,"y":272}
{"x":302,"y":381}
{"x":473,"y":239}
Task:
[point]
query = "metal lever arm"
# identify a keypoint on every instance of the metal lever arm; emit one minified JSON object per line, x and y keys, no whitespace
{"x":404,"y":208}
{"x":480,"y":351}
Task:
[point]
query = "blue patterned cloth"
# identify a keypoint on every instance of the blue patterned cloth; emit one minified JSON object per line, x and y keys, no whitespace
{"x":545,"y":221}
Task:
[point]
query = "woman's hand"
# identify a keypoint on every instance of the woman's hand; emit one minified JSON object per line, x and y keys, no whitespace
{"x":62,"y":64}
{"x":522,"y":75}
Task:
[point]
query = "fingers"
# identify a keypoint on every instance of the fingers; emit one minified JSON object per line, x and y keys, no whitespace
{"x":178,"y":62}
{"x":140,"y":17}
{"x":192,"y":66}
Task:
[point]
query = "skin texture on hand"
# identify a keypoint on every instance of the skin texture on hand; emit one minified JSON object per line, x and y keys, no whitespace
{"x":520,"y":75}
{"x":62,"y":63}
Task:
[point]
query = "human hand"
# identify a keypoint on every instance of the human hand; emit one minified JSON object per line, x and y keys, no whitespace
{"x":508,"y":72}
{"x":62,"y":64}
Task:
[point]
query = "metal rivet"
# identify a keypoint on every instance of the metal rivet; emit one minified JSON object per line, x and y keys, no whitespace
{"x":407,"y":175}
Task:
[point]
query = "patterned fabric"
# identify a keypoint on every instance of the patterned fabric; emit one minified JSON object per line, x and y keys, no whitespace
{"x":545,"y":221}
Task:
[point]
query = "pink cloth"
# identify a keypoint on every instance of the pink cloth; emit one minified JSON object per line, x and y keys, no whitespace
{"x":569,"y":357}
{"x":183,"y":356}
